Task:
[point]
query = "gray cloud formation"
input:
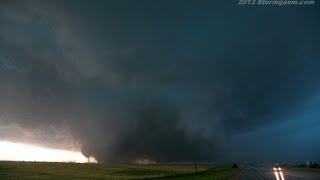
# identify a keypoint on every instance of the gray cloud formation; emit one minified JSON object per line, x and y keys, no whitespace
{"x":167,"y":80}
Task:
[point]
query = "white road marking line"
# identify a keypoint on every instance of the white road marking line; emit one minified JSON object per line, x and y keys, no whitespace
{"x":276,"y":174}
{"x":281,"y":175}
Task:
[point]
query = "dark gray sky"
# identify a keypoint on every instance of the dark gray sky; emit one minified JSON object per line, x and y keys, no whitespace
{"x":163,"y":80}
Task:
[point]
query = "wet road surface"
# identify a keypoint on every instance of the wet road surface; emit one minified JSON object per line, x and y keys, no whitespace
{"x":268,"y":173}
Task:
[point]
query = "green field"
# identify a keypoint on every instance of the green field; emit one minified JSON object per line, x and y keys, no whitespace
{"x":37,"y":170}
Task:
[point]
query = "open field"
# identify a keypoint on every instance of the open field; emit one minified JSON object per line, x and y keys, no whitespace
{"x":38,"y":170}
{"x":306,"y":169}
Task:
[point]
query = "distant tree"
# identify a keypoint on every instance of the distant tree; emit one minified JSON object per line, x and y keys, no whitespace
{"x":234,"y":165}
{"x":302,"y":166}
{"x":314,"y":165}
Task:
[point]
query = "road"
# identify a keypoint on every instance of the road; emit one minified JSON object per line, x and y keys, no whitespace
{"x":268,"y":173}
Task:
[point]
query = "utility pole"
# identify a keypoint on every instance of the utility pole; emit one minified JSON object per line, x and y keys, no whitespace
{"x":195,"y":167}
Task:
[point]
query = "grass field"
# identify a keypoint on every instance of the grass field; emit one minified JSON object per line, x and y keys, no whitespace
{"x":306,"y":169}
{"x":38,"y":170}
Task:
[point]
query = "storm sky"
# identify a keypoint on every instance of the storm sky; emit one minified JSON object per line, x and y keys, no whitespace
{"x":162,"y":80}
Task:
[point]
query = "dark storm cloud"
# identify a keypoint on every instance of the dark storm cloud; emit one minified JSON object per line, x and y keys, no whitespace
{"x":165,"y":80}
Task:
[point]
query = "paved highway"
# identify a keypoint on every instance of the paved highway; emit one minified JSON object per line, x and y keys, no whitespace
{"x":268,"y":173}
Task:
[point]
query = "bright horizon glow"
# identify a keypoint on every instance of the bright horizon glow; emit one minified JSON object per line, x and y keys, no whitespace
{"x":10,"y":151}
